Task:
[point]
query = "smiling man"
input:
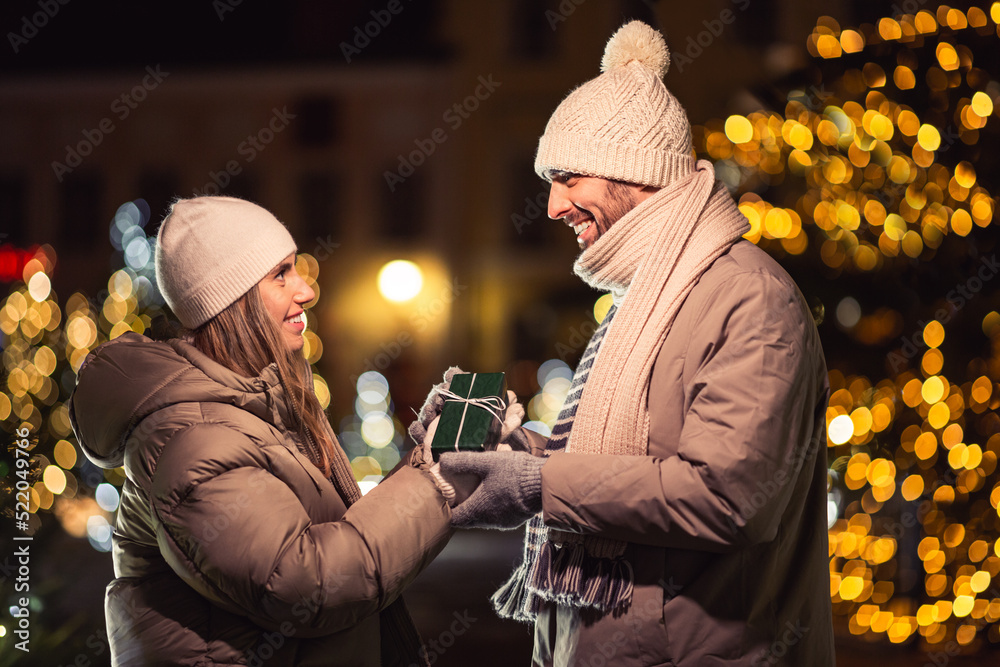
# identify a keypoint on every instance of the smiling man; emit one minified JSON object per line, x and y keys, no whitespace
{"x":678,"y":514}
{"x":591,"y":205}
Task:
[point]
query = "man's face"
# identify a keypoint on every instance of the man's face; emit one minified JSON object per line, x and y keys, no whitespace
{"x":590,"y":205}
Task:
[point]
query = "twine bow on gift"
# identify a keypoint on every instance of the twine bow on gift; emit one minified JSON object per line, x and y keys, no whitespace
{"x":492,"y":404}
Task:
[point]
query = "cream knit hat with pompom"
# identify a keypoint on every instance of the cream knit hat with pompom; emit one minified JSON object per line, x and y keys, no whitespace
{"x":623,"y":125}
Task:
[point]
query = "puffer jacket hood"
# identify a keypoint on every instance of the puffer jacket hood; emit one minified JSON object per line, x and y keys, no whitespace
{"x":131,"y":377}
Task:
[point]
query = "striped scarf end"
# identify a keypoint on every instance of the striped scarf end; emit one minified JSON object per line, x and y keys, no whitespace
{"x":569,"y":576}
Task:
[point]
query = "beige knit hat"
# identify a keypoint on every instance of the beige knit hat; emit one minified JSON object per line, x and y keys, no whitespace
{"x":623,"y":125}
{"x":211,"y":250}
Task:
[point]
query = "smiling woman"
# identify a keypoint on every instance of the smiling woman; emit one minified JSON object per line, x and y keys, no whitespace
{"x":242,"y":536}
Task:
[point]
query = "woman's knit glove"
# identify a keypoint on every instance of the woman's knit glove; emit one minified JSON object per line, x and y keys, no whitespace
{"x":510,"y":492}
{"x":511,"y":433}
{"x":420,"y":430}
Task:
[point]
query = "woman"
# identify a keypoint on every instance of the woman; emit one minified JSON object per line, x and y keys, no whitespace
{"x":242,"y":537}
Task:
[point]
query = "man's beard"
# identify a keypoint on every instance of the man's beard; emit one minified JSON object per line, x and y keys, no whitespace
{"x":620,"y":200}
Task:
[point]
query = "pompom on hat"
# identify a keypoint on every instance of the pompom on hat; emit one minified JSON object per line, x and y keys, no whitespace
{"x":211,"y":250}
{"x":623,"y":125}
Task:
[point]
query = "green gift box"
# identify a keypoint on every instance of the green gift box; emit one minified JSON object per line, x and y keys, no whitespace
{"x":472,"y":417}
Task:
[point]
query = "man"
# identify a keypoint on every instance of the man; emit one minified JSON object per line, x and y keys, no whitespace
{"x":678,"y":514}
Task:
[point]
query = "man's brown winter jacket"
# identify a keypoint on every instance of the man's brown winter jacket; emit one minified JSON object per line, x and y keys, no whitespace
{"x":726,"y":518}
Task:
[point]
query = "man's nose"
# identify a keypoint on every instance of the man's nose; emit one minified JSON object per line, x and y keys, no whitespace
{"x":559,"y":202}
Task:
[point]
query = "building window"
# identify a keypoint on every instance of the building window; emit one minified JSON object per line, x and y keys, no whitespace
{"x":533,"y":28}
{"x":81,"y":224}
{"x":317,"y":122}
{"x":758,"y":24}
{"x":12,"y":215}
{"x":320,"y":196}
{"x":403,"y":209}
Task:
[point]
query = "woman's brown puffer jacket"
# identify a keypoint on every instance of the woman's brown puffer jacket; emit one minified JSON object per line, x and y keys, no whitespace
{"x":230,"y":547}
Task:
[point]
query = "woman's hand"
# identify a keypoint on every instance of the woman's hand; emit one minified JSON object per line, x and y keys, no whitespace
{"x":431,"y":408}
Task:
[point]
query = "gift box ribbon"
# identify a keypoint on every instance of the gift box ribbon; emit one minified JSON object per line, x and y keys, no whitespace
{"x":492,"y":404}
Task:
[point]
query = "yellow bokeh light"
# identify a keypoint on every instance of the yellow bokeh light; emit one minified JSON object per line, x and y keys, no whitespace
{"x":980,"y":581}
{"x":928,"y":137}
{"x":982,"y":104}
{"x":840,"y":430}
{"x":851,"y":587}
{"x":938,"y":415}
{"x":828,"y":46}
{"x":958,"y":456}
{"x":54,"y":479}
{"x":932,"y":390}
{"x":924,"y":22}
{"x":738,"y":129}
{"x":965,"y":174}
{"x":39,"y":287}
{"x":912,"y":487}
{"x":990,"y":323}
{"x":932,"y":362}
{"x":956,"y":19}
{"x":800,"y":137}
{"x":963,"y":605}
{"x":903,"y":78}
{"x":778,"y":223}
{"x":364,"y":466}
{"x":961,"y":222}
{"x":888,"y":29}
{"x":322,"y":391}
{"x":908,"y":122}
{"x":65,"y":454}
{"x":862,"y":419}
{"x":400,"y":280}
{"x":602,"y":306}
{"x":933,"y":334}
{"x":852,"y":41}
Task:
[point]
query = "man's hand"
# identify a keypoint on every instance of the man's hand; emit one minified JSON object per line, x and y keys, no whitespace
{"x":510,"y":492}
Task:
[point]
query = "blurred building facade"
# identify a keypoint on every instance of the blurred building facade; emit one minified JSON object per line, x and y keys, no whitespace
{"x":368,"y":160}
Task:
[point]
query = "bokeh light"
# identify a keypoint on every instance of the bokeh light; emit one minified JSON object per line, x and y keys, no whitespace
{"x":400,"y":280}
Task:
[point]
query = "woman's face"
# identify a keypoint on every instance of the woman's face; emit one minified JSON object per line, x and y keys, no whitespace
{"x":284,"y":291}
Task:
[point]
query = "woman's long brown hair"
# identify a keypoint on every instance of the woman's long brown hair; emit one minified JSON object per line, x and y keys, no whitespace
{"x":245,"y":339}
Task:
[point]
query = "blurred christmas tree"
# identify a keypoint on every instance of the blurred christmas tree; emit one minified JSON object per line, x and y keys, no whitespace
{"x":873,"y":187}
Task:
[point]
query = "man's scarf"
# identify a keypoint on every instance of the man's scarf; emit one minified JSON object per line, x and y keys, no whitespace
{"x":649,"y":260}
